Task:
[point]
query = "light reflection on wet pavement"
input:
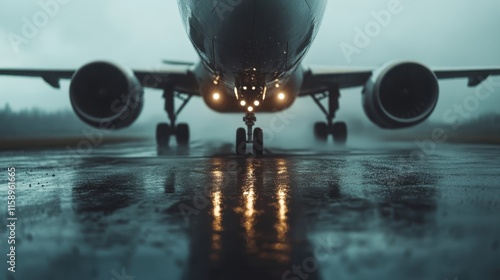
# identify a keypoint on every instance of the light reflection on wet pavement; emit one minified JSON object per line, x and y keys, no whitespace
{"x":203,"y":213}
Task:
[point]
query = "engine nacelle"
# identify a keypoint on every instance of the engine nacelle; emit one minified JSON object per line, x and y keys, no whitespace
{"x":401,"y":94}
{"x":104,"y":95}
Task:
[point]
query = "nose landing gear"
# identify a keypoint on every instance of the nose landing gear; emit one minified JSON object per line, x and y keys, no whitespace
{"x":255,"y":137}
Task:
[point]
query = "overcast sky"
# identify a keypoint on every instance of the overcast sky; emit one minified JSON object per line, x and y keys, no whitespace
{"x":141,"y":33}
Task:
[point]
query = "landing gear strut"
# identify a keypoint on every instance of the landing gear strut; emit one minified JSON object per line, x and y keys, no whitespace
{"x":247,"y":137}
{"x":322,"y":129}
{"x":165,"y":130}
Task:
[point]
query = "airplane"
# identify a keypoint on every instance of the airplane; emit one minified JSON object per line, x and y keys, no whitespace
{"x":251,"y":55}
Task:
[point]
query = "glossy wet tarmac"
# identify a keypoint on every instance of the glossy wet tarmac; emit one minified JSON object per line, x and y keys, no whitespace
{"x":124,"y":211}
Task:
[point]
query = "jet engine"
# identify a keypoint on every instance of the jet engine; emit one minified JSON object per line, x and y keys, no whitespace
{"x":400,"y":95}
{"x":104,"y":95}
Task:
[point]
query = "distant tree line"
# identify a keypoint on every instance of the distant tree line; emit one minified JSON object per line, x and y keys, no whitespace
{"x":486,"y":119}
{"x":38,"y":123}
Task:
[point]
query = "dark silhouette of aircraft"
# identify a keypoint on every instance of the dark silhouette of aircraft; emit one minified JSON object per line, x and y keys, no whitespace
{"x":251,"y":55}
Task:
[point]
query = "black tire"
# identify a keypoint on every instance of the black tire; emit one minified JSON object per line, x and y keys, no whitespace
{"x":163,"y":133}
{"x":321,"y":131}
{"x":182,"y":135}
{"x":258,"y":142}
{"x":339,"y":131}
{"x":241,"y":141}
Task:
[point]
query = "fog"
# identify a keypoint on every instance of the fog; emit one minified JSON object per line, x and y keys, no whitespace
{"x":141,"y":34}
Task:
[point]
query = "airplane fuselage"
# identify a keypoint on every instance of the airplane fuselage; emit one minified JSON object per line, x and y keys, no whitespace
{"x":251,"y":53}
{"x":245,"y":44}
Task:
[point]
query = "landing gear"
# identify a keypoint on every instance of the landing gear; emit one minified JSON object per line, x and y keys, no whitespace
{"x":255,"y":137}
{"x":258,"y":142}
{"x":182,"y":135}
{"x":164,"y":130}
{"x":322,"y":129}
{"x":339,"y":132}
{"x":241,"y":141}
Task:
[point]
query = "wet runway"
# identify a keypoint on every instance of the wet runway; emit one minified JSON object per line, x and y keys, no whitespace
{"x":125,"y":212}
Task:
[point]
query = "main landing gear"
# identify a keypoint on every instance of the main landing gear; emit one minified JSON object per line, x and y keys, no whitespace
{"x":247,"y":137}
{"x":165,"y":130}
{"x":322,"y":129}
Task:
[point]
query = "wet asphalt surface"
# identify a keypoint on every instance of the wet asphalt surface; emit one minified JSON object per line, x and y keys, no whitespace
{"x":129,"y":211}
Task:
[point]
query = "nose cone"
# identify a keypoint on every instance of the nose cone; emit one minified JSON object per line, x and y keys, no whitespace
{"x":243,"y":36}
{"x":252,"y":37}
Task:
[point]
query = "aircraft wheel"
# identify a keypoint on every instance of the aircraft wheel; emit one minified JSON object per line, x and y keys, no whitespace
{"x":339,"y":131}
{"x":182,"y":134}
{"x":241,"y":141}
{"x":321,"y":131}
{"x":258,"y":142}
{"x":163,"y":133}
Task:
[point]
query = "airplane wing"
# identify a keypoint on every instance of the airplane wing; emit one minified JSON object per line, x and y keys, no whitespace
{"x":318,"y":78}
{"x":178,"y":76}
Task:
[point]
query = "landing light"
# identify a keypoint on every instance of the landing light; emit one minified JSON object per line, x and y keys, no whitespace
{"x":281,"y":96}
{"x":250,"y":109}
{"x":256,"y":103}
{"x":216,"y":96}
{"x":243,"y":103}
